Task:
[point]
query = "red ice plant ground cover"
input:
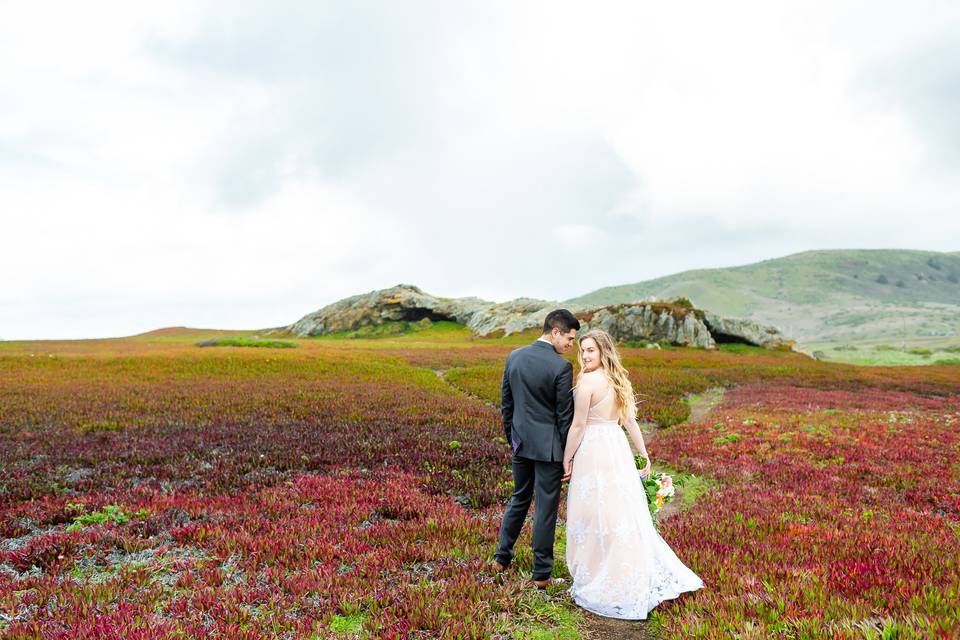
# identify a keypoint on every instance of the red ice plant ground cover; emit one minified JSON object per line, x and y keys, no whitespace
{"x":332,"y":488}
{"x":281,"y":561}
{"x":84,"y":424}
{"x":837,"y":512}
{"x":177,"y":441}
{"x":662,"y":379}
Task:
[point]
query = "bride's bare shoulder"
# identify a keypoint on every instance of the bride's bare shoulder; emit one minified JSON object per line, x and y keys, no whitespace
{"x":593,"y":379}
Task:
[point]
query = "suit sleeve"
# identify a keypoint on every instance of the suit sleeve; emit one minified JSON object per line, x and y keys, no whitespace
{"x":506,"y":403}
{"x":564,"y":410}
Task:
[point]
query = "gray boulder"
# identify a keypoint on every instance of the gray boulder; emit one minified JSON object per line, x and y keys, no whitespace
{"x":509,"y":317}
{"x":654,"y":321}
{"x":403,"y":302}
{"x":742,"y":330}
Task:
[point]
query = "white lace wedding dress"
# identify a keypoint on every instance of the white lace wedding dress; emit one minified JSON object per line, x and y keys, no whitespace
{"x":621,"y":567}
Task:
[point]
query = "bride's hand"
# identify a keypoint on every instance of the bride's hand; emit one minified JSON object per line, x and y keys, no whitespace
{"x":645,"y":472}
{"x":567,"y":469}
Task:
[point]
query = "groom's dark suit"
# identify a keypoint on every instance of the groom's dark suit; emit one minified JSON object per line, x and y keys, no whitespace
{"x":537,"y":405}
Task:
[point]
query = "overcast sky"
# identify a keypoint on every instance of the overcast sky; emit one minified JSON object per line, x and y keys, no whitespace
{"x":240,"y":164}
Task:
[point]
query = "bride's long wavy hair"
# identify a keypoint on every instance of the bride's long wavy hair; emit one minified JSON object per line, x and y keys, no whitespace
{"x":614,"y":370}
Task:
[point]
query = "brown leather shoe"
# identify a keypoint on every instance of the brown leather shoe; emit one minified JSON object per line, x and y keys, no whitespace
{"x":541,"y":584}
{"x":496,"y":566}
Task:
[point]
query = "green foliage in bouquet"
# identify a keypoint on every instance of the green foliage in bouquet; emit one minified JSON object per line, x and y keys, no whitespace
{"x":652,"y":486}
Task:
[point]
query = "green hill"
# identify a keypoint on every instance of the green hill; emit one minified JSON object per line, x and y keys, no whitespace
{"x":825,"y":297}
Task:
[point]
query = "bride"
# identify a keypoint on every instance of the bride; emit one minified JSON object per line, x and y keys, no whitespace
{"x":621,"y":567}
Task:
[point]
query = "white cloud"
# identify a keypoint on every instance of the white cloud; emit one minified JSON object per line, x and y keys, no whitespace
{"x":239,"y":165}
{"x":306,"y":242}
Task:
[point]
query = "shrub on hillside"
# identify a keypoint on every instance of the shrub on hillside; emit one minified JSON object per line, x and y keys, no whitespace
{"x":247,"y":342}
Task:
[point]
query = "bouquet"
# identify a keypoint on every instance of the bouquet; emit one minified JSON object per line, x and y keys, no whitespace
{"x":658,"y":487}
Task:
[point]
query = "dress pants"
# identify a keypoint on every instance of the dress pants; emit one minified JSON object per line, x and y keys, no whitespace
{"x":543,"y":479}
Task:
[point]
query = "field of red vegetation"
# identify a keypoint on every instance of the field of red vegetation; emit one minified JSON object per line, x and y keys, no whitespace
{"x":153,"y":489}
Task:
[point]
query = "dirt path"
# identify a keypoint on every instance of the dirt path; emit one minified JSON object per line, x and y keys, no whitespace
{"x":700,"y":405}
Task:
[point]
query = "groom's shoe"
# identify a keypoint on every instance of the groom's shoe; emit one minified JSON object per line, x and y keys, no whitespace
{"x":541,"y":584}
{"x":497,"y":566}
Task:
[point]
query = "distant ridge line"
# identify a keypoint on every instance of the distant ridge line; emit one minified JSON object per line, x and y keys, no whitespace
{"x":821,"y":295}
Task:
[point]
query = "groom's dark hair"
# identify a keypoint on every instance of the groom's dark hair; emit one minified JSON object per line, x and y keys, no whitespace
{"x":560,"y":319}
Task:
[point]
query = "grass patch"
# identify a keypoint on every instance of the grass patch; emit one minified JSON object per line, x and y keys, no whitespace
{"x":727,"y":438}
{"x":816,"y":429}
{"x":693,"y":487}
{"x":347,"y":625}
{"x":425,"y":329}
{"x":690,"y":486}
{"x":110,"y":513}
{"x":481,"y":380}
{"x":247,"y":342}
{"x":739,"y":347}
{"x":885,"y":354}
{"x":544,"y":616}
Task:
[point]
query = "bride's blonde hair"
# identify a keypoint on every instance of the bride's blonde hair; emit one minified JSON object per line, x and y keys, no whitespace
{"x":616,"y":374}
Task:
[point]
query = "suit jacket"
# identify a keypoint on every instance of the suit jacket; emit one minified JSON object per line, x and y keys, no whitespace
{"x":536,"y":400}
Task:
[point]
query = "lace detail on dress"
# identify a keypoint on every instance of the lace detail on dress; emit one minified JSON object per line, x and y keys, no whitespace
{"x":621,"y":567}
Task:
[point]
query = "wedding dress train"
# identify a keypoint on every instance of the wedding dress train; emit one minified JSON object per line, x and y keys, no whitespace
{"x":621,"y":567}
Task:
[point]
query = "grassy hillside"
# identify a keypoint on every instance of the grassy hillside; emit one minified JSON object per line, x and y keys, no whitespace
{"x":825,"y":297}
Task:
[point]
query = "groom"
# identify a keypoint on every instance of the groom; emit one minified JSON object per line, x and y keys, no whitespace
{"x":537,"y":405}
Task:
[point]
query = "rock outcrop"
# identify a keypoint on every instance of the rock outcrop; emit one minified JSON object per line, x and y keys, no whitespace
{"x":655,"y":321}
{"x":403,"y":302}
{"x":742,"y":330}
{"x":509,"y":317}
{"x":675,"y":321}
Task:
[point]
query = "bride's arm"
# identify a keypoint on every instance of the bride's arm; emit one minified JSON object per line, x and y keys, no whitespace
{"x":639,"y":446}
{"x":582,"y":397}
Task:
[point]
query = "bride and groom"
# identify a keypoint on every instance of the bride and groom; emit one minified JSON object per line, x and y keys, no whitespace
{"x":620,"y":565}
